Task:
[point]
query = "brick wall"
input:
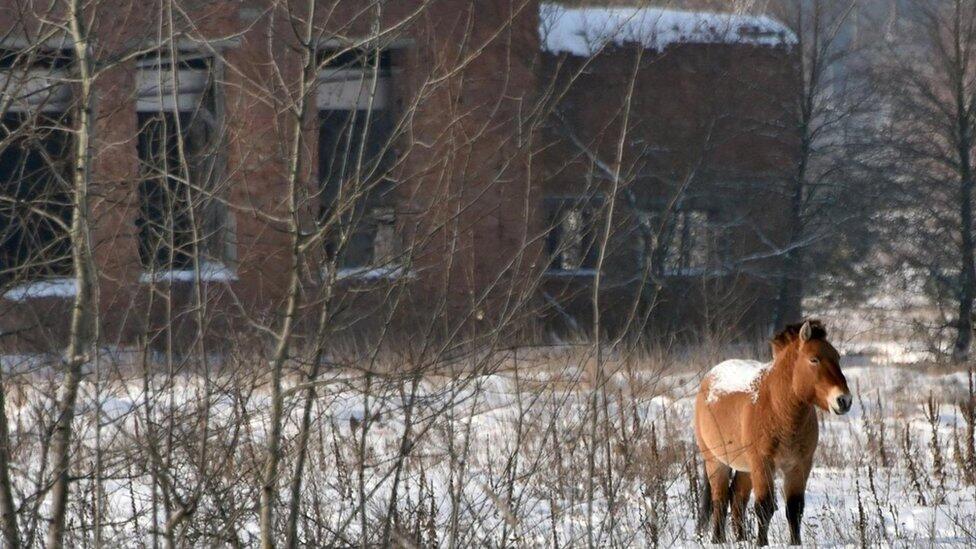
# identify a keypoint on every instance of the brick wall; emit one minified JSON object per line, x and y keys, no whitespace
{"x":479,"y":152}
{"x":462,"y":77}
{"x":709,"y":129}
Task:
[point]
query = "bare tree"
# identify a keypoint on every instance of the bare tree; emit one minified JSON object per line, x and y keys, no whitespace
{"x":84,"y":319}
{"x":832,"y":115}
{"x":933,"y":103}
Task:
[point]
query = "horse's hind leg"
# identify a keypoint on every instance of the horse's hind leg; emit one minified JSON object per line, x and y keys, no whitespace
{"x":719,"y":475}
{"x":704,"y":505}
{"x":741,"y":488}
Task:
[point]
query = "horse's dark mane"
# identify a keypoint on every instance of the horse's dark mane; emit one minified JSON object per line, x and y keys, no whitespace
{"x":792,"y":331}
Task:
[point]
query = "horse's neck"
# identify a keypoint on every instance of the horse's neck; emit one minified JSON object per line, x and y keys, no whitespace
{"x":777,"y":389}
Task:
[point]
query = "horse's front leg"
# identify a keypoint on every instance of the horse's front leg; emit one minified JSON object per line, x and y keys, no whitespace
{"x":794,"y":488}
{"x":763,"y":488}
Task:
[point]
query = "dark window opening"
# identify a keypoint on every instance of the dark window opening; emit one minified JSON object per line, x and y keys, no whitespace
{"x":187,"y":60}
{"x":35,"y":197}
{"x":48,"y":58}
{"x":355,"y":158}
{"x":571,"y":242}
{"x":688,"y":244}
{"x":179,"y":219}
{"x":166,"y":233}
{"x":354,"y":58}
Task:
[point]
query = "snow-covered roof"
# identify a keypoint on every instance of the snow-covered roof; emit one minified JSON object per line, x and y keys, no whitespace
{"x":586,"y":31}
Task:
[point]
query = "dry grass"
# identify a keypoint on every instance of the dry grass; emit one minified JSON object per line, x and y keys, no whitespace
{"x":516,"y":448}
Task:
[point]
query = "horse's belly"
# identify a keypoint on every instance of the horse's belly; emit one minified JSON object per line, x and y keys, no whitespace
{"x":738,"y":463}
{"x":720,"y":432}
{"x":731,"y":453}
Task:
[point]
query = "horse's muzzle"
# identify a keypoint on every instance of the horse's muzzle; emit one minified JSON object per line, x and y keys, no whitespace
{"x":842,"y":404}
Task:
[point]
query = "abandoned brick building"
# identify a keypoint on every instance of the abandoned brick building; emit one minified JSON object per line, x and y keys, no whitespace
{"x":461,"y":161}
{"x":707,"y":151}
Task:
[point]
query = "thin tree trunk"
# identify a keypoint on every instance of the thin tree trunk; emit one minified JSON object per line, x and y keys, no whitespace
{"x":270,"y":477}
{"x":597,"y":376}
{"x":789,"y":298}
{"x":967,"y":270}
{"x":304,"y":432}
{"x":402,"y":455}
{"x":82,"y":317}
{"x":967,"y":282}
{"x":8,"y":512}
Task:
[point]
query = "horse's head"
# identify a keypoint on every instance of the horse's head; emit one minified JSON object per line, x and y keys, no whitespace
{"x":817,"y":378}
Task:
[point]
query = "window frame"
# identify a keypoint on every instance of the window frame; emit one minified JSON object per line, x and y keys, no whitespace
{"x":341,"y":126}
{"x":35,"y":90}
{"x":214,"y":251}
{"x":660,"y":259}
{"x":590,"y":207}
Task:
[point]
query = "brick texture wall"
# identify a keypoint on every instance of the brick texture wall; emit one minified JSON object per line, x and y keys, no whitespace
{"x":709,"y":129}
{"x":479,"y":151}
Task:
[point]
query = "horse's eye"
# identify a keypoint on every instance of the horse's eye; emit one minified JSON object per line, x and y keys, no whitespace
{"x":814,"y":360}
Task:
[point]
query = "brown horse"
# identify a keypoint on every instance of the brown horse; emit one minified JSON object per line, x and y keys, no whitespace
{"x":752,"y":419}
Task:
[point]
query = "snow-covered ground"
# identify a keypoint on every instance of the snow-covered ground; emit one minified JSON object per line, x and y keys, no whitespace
{"x":510,"y":457}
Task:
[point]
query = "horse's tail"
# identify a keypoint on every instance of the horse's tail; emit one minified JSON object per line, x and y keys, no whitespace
{"x":704,"y":504}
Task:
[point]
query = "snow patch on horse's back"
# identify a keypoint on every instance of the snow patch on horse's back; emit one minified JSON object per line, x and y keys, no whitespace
{"x":736,"y":376}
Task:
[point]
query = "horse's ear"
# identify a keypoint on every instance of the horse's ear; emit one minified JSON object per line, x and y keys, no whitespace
{"x":806,"y":331}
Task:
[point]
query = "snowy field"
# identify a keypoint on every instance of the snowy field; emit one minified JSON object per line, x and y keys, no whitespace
{"x":514,"y":457}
